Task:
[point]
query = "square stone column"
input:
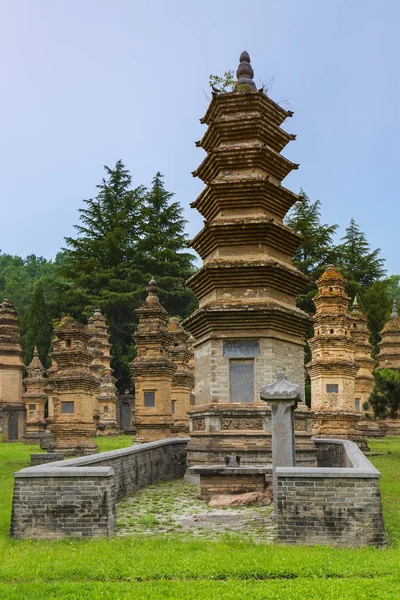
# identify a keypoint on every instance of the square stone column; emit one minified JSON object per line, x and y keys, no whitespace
{"x":283,"y":397}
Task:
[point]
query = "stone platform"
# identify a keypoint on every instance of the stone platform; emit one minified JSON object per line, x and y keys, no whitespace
{"x":218,"y":430}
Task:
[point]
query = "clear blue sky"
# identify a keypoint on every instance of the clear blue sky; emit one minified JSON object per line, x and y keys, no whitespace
{"x":86,"y":82}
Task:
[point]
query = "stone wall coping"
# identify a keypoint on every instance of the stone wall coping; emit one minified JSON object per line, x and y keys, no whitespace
{"x":223,"y":470}
{"x":74,"y":466}
{"x":50,"y":471}
{"x":361,"y":466}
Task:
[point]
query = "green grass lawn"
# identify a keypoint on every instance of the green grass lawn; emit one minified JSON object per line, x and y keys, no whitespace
{"x":169,"y":567}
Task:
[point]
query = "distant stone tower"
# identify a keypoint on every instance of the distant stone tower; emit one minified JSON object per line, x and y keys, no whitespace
{"x":35,"y":400}
{"x":183,"y":379}
{"x":247,"y":326}
{"x":12,"y":408}
{"x":333,"y":368}
{"x":152,"y":370}
{"x":364,"y":382}
{"x":389,"y":346}
{"x":73,"y":388}
{"x":389,"y":358}
{"x":106,"y":406}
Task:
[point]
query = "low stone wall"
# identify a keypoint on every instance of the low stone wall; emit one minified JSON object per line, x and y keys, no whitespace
{"x":44,"y":458}
{"x":337,"y":503}
{"x":76,"y":497}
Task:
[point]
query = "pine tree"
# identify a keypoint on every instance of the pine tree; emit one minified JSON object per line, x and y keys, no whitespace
{"x":162,"y":249}
{"x":36,"y":328}
{"x":358,"y":263}
{"x":126,"y":236}
{"x":385,"y":398}
{"x":316,"y":249}
{"x":376,"y":304}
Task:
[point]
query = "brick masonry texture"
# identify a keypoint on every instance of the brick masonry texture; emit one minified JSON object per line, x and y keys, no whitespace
{"x":76,"y":498}
{"x":339,"y":506}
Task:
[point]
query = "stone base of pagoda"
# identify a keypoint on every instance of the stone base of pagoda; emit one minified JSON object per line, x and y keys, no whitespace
{"x":244,"y":430}
{"x":369,"y":427}
{"x":109,"y":427}
{"x":339,"y":425}
{"x":35,"y":433}
{"x":152,"y":431}
{"x":390,"y":426}
{"x":180,"y":428}
{"x":73,"y":439}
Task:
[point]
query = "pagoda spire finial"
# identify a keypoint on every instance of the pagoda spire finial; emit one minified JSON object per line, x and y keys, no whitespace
{"x":245,"y":73}
{"x":152,"y":291}
{"x":355,"y":303}
{"x":395,"y":313}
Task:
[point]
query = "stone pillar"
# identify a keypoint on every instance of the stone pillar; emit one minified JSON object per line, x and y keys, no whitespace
{"x":283,"y":397}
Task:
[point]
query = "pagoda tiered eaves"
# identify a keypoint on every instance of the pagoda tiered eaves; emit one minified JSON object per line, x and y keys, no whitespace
{"x":242,"y":102}
{"x":237,"y":127}
{"x":254,"y":231}
{"x":244,"y":157}
{"x":252,"y":192}
{"x":232,"y":315}
{"x":251,"y":275}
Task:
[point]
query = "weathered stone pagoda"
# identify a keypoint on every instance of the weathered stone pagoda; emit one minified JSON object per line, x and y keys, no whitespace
{"x":333,"y":368}
{"x":364,"y":381}
{"x":35,"y":399}
{"x":73,"y":388}
{"x":153,"y":370}
{"x":389,"y":346}
{"x":247,"y":326}
{"x":106,"y":415}
{"x":389,"y":358}
{"x":12,"y":407}
{"x":181,"y":354}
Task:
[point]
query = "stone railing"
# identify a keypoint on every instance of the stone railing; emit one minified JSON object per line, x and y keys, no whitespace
{"x":337,"y":503}
{"x":77,"y":497}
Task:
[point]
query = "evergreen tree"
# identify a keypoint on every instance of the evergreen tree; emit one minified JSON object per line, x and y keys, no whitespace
{"x":385,"y":398}
{"x":36,"y":328}
{"x":162,"y":248}
{"x":358,"y":263}
{"x":126,"y":236}
{"x":376,"y":305}
{"x":316,"y":249}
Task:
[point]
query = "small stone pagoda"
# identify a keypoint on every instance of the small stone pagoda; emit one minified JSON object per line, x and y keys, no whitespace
{"x":389,"y":346}
{"x":333,"y":368}
{"x":389,"y":358}
{"x":181,"y":354}
{"x":12,"y":407}
{"x":73,"y":388}
{"x":106,"y":416}
{"x":247,"y":326}
{"x":153,"y":370}
{"x":364,"y":381}
{"x":35,"y":400}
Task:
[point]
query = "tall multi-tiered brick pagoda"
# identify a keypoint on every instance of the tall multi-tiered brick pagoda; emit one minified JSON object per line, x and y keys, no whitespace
{"x":35,"y":399}
{"x":333,"y":368}
{"x":247,"y":326}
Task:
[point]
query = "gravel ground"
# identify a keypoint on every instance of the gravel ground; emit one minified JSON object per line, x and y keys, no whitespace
{"x":173,"y":507}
